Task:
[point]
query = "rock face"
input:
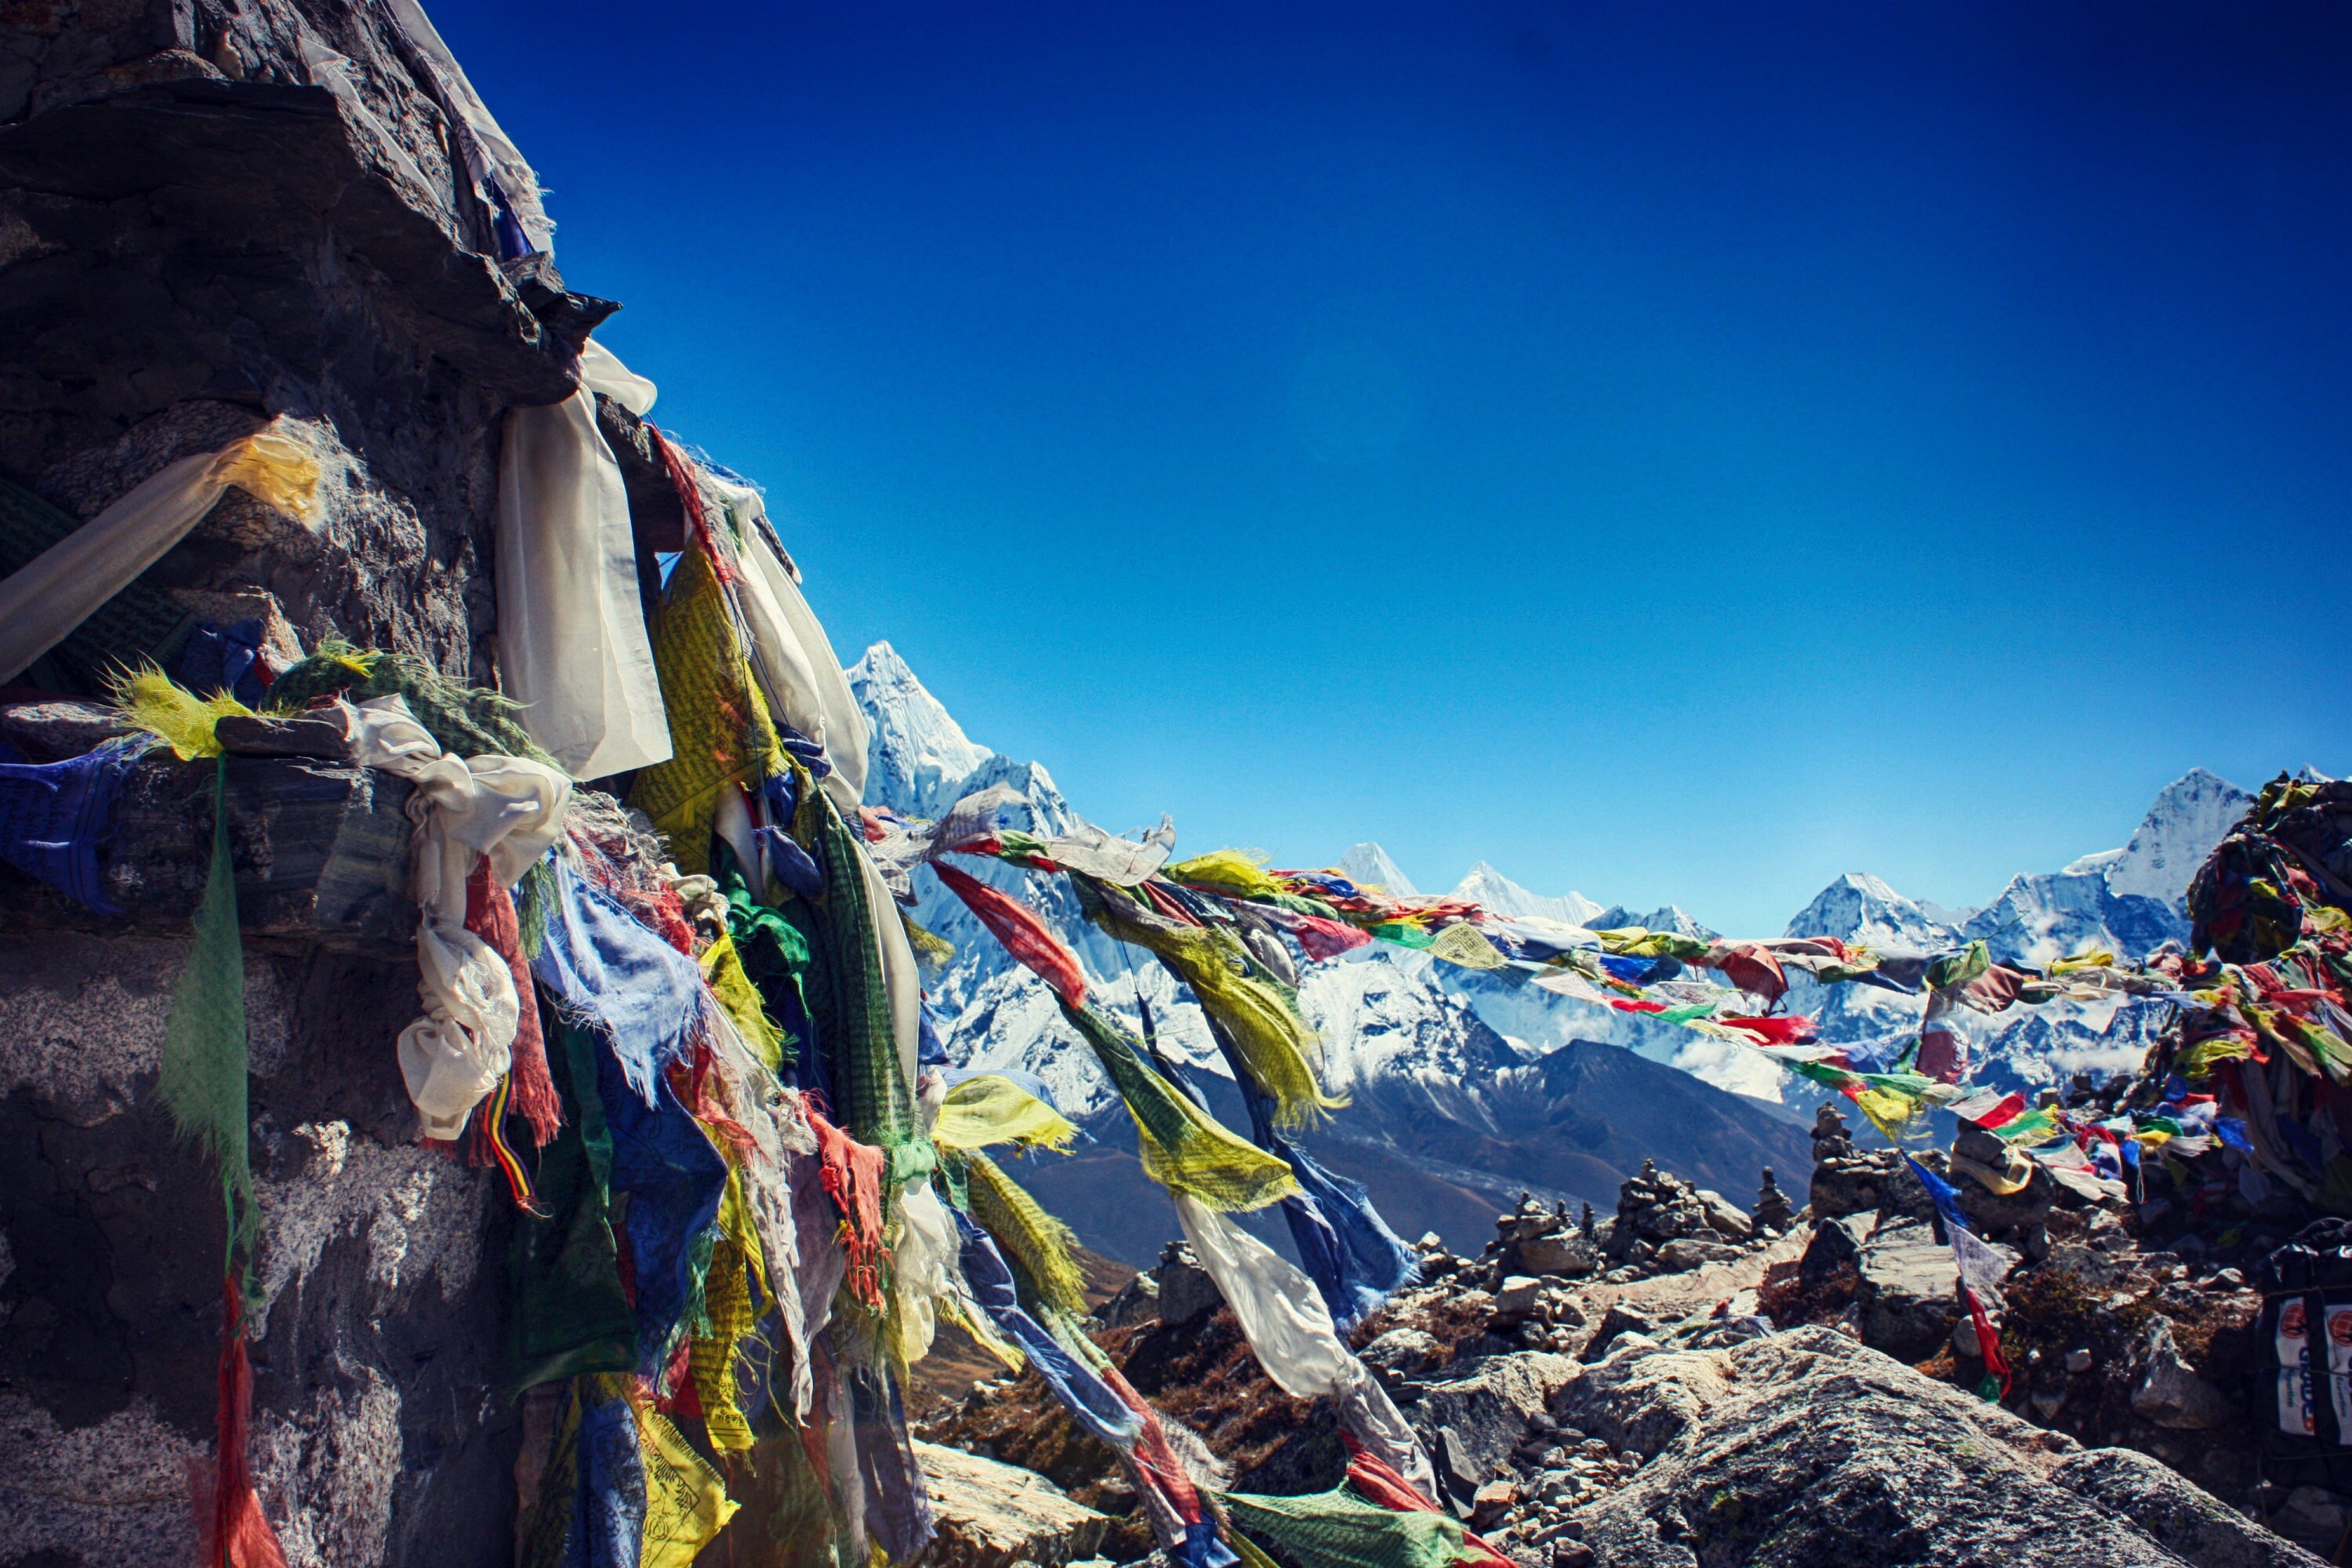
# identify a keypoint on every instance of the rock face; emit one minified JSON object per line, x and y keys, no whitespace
{"x":992,"y":1516}
{"x":2179,"y":1517}
{"x":1803,"y":1448}
{"x":376,"y":1437}
{"x":214,"y":214}
{"x":1485,"y":1414}
{"x":2169,"y":1393}
{"x":1906,"y":1291}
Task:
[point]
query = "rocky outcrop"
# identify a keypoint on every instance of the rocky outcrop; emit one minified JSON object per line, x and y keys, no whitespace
{"x":1805,"y":1448}
{"x":991,"y":1515}
{"x":211,"y":215}
{"x":2191,"y":1524}
{"x":376,"y":1438}
{"x":1475,"y":1421}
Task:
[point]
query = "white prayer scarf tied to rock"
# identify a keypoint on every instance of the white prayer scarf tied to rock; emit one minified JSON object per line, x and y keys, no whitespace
{"x":42,"y":602}
{"x":573,"y":646}
{"x":510,"y":809}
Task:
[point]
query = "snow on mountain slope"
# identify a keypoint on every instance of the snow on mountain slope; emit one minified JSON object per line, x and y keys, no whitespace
{"x":918,"y":763}
{"x":1368,"y":866}
{"x":1667,"y":916}
{"x":1414,"y":1041}
{"x":1491,"y":889}
{"x":1387,"y":1014}
{"x":2126,"y":901}
{"x":1858,"y":907}
{"x":2194,"y":812}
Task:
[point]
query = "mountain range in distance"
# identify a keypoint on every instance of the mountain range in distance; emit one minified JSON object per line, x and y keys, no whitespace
{"x":1467,"y":1087}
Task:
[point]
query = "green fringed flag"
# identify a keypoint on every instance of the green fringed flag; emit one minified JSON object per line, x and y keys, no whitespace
{"x":1339,"y":1530}
{"x":847,"y":992}
{"x":203,"y":1080}
{"x":204,"y":1069}
{"x":464,"y":720}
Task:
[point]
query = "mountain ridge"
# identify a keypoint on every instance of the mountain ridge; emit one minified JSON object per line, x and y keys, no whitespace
{"x":1438,"y":1057}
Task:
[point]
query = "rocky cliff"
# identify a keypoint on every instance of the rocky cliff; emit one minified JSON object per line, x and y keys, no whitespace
{"x":213,"y":216}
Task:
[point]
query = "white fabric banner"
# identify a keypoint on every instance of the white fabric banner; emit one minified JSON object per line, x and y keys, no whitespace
{"x":797,"y":667}
{"x":572,"y":648}
{"x":42,"y":600}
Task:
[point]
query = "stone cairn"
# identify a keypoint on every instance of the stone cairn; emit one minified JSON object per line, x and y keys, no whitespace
{"x":1847,"y":1180}
{"x":1665,"y":1222}
{"x":1774,"y":1212}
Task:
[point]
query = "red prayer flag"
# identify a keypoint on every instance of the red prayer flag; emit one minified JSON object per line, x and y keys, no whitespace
{"x":1377,"y":1480}
{"x":1025,"y":936}
{"x":1792,"y":1030}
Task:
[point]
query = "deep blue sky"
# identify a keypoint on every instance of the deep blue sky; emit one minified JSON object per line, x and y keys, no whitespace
{"x":1680,"y":452}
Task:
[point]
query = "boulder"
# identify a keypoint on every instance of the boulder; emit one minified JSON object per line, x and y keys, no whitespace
{"x":1491,"y":1502}
{"x":2190,"y":1524}
{"x":1836,"y":1244}
{"x":1725,"y":1217}
{"x":1804,"y":1447}
{"x":2313,"y":1517}
{"x":1187,"y":1291}
{"x":1620,"y":1319}
{"x":1570,"y":1253}
{"x":2168,"y":1392}
{"x":1689,"y":1252}
{"x":1906,"y":1290}
{"x":991,"y":1515}
{"x":1137,"y":1301}
{"x":1516,"y":1297}
{"x":1408,"y":1350}
{"x":1491,"y":1412}
{"x":1524,"y":1297}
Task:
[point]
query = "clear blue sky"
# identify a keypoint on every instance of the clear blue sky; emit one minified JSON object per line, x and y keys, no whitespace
{"x":1680,"y":452}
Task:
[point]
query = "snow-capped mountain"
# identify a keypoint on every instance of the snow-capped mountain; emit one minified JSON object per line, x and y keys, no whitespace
{"x":1416,"y":1040}
{"x":2192,"y":815}
{"x":1368,"y":866}
{"x":1491,"y":889}
{"x":1453,"y":1113}
{"x":2126,"y":901}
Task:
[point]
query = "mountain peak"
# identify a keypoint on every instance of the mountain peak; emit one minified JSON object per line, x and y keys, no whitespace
{"x":2191,"y":815}
{"x":1859,"y":906}
{"x":1492,"y":891}
{"x":1367,"y":865}
{"x":916,"y":753}
{"x":1667,"y":917}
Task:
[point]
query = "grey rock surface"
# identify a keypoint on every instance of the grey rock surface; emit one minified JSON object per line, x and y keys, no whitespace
{"x":1491,"y":1411}
{"x":2191,"y":1523}
{"x":1186,"y":1290}
{"x":1805,"y":1449}
{"x":1690,"y":1251}
{"x":2169,"y":1391}
{"x":1620,"y":1319}
{"x":378,"y":1433}
{"x":991,"y":1515}
{"x":1567,"y":1253}
{"x":1907,"y":1290}
{"x":207,"y":223}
